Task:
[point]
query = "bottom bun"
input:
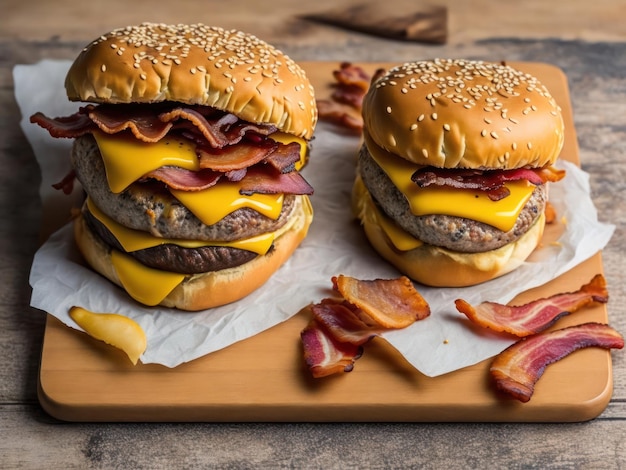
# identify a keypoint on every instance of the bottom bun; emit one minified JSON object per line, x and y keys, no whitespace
{"x":439,"y":267}
{"x":212,"y":289}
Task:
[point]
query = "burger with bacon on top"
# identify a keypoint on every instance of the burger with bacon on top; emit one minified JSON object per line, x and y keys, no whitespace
{"x":451,"y":186}
{"x":189,"y":154}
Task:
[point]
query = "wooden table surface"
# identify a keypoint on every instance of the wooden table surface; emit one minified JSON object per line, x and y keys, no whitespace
{"x":585,"y":39}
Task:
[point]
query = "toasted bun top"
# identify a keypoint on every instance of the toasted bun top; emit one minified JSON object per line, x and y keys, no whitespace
{"x":464,"y":114}
{"x":196,"y":64}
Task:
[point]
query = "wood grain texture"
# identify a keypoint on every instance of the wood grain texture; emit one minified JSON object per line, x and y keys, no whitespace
{"x":585,"y":39}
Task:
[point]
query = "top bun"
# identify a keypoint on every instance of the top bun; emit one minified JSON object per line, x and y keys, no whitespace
{"x":464,"y":114}
{"x":196,"y":64}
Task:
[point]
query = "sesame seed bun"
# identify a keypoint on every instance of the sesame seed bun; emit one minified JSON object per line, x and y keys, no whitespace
{"x":464,"y":114}
{"x":211,"y":289}
{"x":196,"y":64}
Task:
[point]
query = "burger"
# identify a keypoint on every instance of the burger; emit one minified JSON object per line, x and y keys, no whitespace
{"x":188,"y":148}
{"x":452,"y":177}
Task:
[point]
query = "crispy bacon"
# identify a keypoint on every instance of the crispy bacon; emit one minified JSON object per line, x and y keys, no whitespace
{"x":284,"y":157}
{"x":345,"y":103}
{"x":235,"y":157}
{"x":67,"y":183}
{"x":489,"y":181}
{"x":340,"y":114}
{"x":210,"y":130}
{"x":150,"y":123}
{"x":517,"y":369}
{"x":339,"y":328}
{"x":264,"y":179}
{"x":140,"y":120}
{"x":185,"y":180}
{"x":352,"y":75}
{"x":226,"y":146}
{"x":69,"y":127}
{"x":536,"y":316}
{"x":390,"y":303}
{"x":324,"y":355}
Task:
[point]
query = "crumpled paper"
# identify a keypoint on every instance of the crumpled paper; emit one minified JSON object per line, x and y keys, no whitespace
{"x":335,"y":245}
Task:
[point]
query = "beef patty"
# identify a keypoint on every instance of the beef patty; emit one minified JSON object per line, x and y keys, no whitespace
{"x":175,"y":258}
{"x":454,"y":233}
{"x":151,"y":208}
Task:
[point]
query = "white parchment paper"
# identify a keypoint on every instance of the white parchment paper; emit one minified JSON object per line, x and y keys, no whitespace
{"x":335,"y":245}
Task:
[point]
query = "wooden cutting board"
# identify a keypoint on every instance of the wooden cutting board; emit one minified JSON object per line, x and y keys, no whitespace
{"x":263,"y":378}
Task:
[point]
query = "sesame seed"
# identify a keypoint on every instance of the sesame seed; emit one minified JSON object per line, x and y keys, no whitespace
{"x":493,"y":134}
{"x":388,"y":109}
{"x":425,"y":153}
{"x":529,"y":145}
{"x":446,"y":127}
{"x":103,"y":68}
{"x":483,"y":132}
{"x":433,"y":116}
{"x":420,"y":118}
{"x":413,"y":127}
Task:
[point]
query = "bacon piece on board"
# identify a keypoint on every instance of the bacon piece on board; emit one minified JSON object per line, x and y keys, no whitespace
{"x":346,"y":101}
{"x":324,"y":355}
{"x":536,"y":316}
{"x":338,"y":113}
{"x":339,"y":328}
{"x":389,"y":303}
{"x":517,"y":369}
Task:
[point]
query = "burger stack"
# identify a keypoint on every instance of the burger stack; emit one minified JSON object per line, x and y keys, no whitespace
{"x":188,"y":149}
{"x":453,"y":174}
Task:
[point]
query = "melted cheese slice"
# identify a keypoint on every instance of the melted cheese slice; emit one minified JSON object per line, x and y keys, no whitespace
{"x":146,"y":285}
{"x":369,"y":213}
{"x":213,"y":204}
{"x":134,"y":240}
{"x":127,"y":159}
{"x":464,"y":203}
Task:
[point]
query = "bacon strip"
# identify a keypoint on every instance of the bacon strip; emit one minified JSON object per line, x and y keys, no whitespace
{"x":140,"y":120}
{"x":488,"y":181}
{"x":65,"y":127}
{"x":185,"y":180}
{"x":340,"y":114}
{"x":324,"y":355}
{"x":389,"y":303}
{"x":67,"y":183}
{"x":150,"y":123}
{"x":334,"y":338}
{"x":263,"y":179}
{"x":211,"y":131}
{"x":345,"y":103}
{"x":517,"y":369}
{"x":536,"y":316}
{"x":235,"y":157}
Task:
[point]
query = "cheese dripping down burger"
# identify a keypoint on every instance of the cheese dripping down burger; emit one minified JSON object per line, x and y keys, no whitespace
{"x":452,"y":176}
{"x":189,"y":156}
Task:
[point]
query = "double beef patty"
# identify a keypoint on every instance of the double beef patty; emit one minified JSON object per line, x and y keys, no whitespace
{"x":149,"y":207}
{"x":454,"y":233}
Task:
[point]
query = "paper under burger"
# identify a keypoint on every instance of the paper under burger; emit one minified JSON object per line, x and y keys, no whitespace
{"x":189,"y":154}
{"x":452,"y":176}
